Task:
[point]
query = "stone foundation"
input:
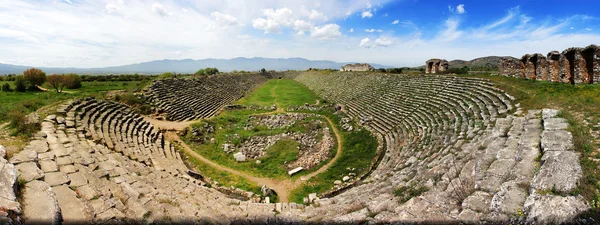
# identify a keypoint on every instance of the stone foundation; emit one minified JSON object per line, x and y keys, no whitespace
{"x":436,"y":65}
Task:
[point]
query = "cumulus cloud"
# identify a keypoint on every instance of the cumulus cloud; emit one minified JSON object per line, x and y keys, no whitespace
{"x":317,"y":16}
{"x":159,"y":10}
{"x":301,"y":26}
{"x":460,"y":9}
{"x":379,"y":42}
{"x":326,"y":32}
{"x":351,"y":30}
{"x":224,"y":19}
{"x":269,"y":26}
{"x":396,"y":22}
{"x":366,"y":14}
{"x":281,"y":16}
{"x":276,"y":18}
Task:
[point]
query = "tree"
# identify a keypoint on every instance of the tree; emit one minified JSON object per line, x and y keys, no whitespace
{"x":200,"y":72}
{"x":72,"y":81}
{"x":263,"y":70}
{"x":211,"y":70}
{"x":20,"y":84}
{"x":35,"y":77}
{"x":57,"y":82}
{"x":6,"y":87}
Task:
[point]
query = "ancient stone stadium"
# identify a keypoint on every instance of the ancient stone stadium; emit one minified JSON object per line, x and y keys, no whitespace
{"x":302,"y":147}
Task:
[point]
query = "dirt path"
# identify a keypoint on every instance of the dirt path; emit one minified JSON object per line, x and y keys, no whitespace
{"x":282,"y":187}
{"x":279,"y":108}
{"x":169,"y":125}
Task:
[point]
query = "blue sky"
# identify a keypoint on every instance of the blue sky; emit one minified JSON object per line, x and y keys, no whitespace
{"x":98,"y":33}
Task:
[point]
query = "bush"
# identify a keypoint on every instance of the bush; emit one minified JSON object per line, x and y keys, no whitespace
{"x":18,"y":121}
{"x":20,"y":84}
{"x":72,"y":81}
{"x":6,"y":87}
{"x":35,"y":77}
{"x":407,"y":192}
{"x":57,"y":82}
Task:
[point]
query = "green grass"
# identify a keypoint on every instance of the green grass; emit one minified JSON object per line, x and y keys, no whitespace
{"x":287,"y":92}
{"x":233,"y":132}
{"x":359,"y":146}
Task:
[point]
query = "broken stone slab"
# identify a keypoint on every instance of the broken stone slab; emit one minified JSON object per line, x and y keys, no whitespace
{"x":553,"y":209}
{"x":560,"y":171}
{"x":56,"y":178}
{"x":239,"y":157}
{"x":40,"y":204}
{"x":509,"y":199}
{"x":478,"y":202}
{"x":557,"y":140}
{"x":77,"y":179}
{"x":8,"y":180}
{"x":40,"y":146}
{"x":295,"y":170}
{"x":29,"y":171}
{"x":549,"y":113}
{"x":312,"y":197}
{"x":24,"y":156}
{"x":48,"y":166}
{"x":73,"y":210}
{"x":556,"y":124}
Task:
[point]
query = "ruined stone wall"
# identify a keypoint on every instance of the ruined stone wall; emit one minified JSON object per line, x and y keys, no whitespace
{"x":436,"y":65}
{"x":357,"y":67}
{"x":573,"y":66}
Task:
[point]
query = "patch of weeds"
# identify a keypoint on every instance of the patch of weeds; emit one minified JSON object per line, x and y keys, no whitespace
{"x":405,"y":193}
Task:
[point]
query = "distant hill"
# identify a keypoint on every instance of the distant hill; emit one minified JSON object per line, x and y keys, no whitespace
{"x":191,"y":66}
{"x":488,"y":63}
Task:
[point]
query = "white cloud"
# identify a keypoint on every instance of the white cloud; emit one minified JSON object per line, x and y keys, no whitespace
{"x":224,"y":19}
{"x":269,"y":26}
{"x":159,"y":10}
{"x":379,"y":42}
{"x":365,"y":43}
{"x":281,"y":16}
{"x":396,"y":22}
{"x":301,"y":26}
{"x":110,"y":8}
{"x":588,"y":29}
{"x":460,"y":9}
{"x":383,"y":42}
{"x":373,"y":30}
{"x":326,"y":32}
{"x":369,"y":5}
{"x":69,"y":1}
{"x":317,"y":16}
{"x":351,"y":30}
{"x":366,"y":14}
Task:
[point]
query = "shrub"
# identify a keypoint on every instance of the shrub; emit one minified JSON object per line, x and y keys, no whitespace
{"x":18,"y":121}
{"x":35,"y":77}
{"x":6,"y":87}
{"x":20,"y":84}
{"x":72,"y":81}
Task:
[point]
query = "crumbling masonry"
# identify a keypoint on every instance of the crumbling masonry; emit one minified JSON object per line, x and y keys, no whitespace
{"x":436,"y":65}
{"x":573,"y":66}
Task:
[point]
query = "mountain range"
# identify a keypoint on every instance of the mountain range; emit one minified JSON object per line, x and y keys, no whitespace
{"x":191,"y":66}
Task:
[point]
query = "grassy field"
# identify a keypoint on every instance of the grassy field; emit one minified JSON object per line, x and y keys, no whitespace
{"x":580,"y":105}
{"x":359,"y":146}
{"x":283,"y":92}
{"x":234,"y":132}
